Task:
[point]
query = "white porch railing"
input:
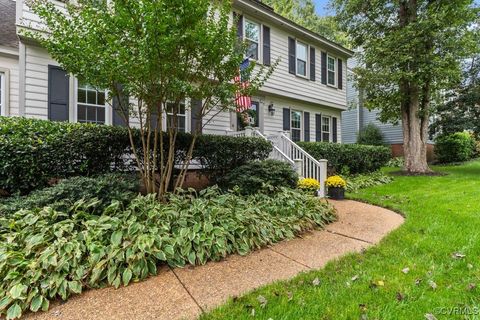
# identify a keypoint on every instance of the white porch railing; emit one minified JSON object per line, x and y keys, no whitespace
{"x":284,"y":149}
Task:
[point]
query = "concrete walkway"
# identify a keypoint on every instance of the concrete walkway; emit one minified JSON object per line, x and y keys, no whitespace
{"x":186,"y":293}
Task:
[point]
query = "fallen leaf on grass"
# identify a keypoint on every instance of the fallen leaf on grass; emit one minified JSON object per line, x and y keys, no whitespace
{"x":458,"y":255}
{"x":290,"y":295}
{"x":471,"y":286}
{"x":418,"y":281}
{"x":400,"y":296}
{"x":432,"y":284}
{"x":430,"y":316}
{"x":406,"y":270}
{"x":316,"y":282}
{"x":470,"y":266}
{"x":262,"y":300}
{"x":380,"y":283}
{"x":355,"y":277}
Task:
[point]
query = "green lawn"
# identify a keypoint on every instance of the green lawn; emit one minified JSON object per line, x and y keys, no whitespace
{"x":439,"y":243}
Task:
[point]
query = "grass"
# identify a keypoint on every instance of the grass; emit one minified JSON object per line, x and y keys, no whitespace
{"x":439,"y":243}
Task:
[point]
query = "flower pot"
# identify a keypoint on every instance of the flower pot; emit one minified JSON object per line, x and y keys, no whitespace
{"x":336,"y":193}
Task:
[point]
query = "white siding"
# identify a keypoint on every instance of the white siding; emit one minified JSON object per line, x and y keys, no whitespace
{"x":11,"y":64}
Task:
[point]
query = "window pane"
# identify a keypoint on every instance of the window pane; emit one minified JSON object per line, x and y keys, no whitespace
{"x":252,"y":50}
{"x":301,"y":51}
{"x":82,"y":96}
{"x":91,"y":114}
{"x":182,"y":109}
{"x":100,"y":115}
{"x":331,"y":77}
{"x":326,"y":137}
{"x":91,"y":97}
{"x":82,"y":113}
{"x":296,"y":119}
{"x":331,"y":64}
{"x":181,"y":124}
{"x":301,"y":68}
{"x":296,"y":135}
{"x":101,"y":98}
{"x":252,"y":31}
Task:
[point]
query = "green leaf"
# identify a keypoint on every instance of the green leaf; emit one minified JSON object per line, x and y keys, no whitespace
{"x":17,"y":290}
{"x":127,"y":276}
{"x":14,"y":311}
{"x":36,"y":303}
{"x":75,"y":286}
{"x":116,"y":238}
{"x":4,"y":302}
{"x":160,"y":256}
{"x":191,"y":258}
{"x":45,"y":304}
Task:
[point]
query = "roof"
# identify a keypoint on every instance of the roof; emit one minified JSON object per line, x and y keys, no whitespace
{"x":8,"y":33}
{"x":287,"y":22}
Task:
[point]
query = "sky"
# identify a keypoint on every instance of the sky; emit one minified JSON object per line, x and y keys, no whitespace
{"x":320,"y":6}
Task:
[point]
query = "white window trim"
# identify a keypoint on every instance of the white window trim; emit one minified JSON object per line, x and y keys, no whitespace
{"x":260,"y":37}
{"x":329,"y":128}
{"x":307,"y":69}
{"x":5,"y":93}
{"x":334,"y":71}
{"x":186,"y":115}
{"x":74,"y":109}
{"x":301,"y":124}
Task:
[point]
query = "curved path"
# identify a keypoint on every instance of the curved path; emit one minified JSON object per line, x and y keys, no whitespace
{"x":186,"y":293}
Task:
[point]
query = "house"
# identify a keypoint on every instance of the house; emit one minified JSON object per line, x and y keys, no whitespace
{"x":357,"y":117}
{"x":305,"y":95}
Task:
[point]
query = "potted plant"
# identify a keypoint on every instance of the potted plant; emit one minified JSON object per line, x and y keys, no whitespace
{"x":309,"y":185}
{"x":336,"y":187}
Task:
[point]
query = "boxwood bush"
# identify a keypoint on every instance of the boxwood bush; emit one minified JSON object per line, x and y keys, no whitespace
{"x":104,"y":188}
{"x":353,"y":158}
{"x":34,"y":151}
{"x":456,"y":147}
{"x":371,"y":135}
{"x":46,"y":254}
{"x":251,"y":177}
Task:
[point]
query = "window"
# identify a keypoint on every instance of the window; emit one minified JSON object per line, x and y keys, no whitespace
{"x":301,"y":59}
{"x":90,"y":104}
{"x":252,"y":37}
{"x":331,"y":70}
{"x":296,"y":125}
{"x":179,"y":110}
{"x":2,"y":93}
{"x":249,"y":118}
{"x":326,"y":129}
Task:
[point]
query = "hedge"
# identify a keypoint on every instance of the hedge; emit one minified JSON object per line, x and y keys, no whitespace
{"x":353,"y":158}
{"x":34,"y":151}
{"x":455,"y":147}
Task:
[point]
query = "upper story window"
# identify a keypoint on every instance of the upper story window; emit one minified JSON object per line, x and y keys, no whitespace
{"x":252,"y":37}
{"x":90,"y":104}
{"x":301,"y":59}
{"x":180,"y":124}
{"x":331,"y":70}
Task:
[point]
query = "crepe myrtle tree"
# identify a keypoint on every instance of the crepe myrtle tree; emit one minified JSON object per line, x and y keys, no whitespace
{"x":155,"y":52}
{"x":410,"y":52}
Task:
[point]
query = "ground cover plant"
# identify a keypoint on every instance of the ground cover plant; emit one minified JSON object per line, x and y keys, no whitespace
{"x":46,"y":253}
{"x":362,"y":181}
{"x":104,"y":188}
{"x":426,"y":269}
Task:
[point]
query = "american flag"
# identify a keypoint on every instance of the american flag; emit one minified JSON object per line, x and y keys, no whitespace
{"x":243,"y":102}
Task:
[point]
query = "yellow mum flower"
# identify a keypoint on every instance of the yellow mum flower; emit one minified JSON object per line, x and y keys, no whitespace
{"x":335,"y":182}
{"x":308,"y":184}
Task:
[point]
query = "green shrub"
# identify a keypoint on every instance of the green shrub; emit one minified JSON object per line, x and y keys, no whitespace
{"x":34,"y":151}
{"x":46,"y":254}
{"x":456,"y":147}
{"x":397,"y":162}
{"x":371,"y":135}
{"x":362,"y":181}
{"x":251,"y":177}
{"x":63,"y":195}
{"x":357,"y":158}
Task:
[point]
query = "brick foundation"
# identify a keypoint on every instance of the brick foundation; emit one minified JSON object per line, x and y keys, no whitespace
{"x":397,"y":151}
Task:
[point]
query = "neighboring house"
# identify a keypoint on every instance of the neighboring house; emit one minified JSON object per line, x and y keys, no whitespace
{"x":357,"y":117}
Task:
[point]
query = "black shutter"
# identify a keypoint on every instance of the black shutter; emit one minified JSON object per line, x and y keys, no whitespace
{"x":196,"y":116}
{"x":119,"y":108}
{"x":312,"y":63}
{"x":324,"y":67}
{"x":291,"y":55}
{"x":58,"y":94}
{"x":334,"y":129}
{"x":266,"y":45}
{"x":318,"y":127}
{"x":340,"y":74}
{"x":306,"y":126}
{"x":286,"y":119}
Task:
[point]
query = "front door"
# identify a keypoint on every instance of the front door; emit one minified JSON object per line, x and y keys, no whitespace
{"x":250,"y":117}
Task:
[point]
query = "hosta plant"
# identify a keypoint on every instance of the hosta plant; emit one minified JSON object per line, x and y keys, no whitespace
{"x":45,"y":254}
